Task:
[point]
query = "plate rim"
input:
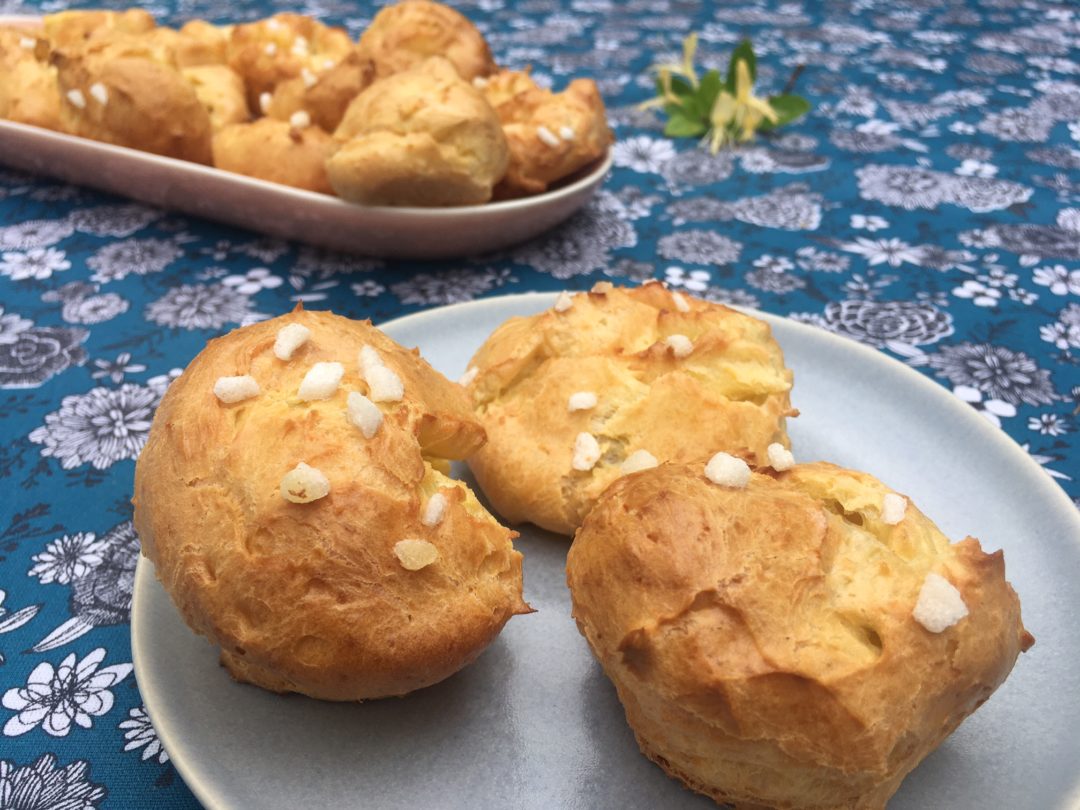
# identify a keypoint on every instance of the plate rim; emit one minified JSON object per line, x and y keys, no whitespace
{"x":1063,"y":507}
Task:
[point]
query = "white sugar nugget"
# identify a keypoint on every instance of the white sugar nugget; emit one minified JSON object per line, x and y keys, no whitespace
{"x":434,"y":510}
{"x":321,"y":381}
{"x":893,"y":507}
{"x":563,"y":302}
{"x":384,"y":385}
{"x":940,"y":604}
{"x":290,"y":338}
{"x":368,"y":359}
{"x":364,"y":414}
{"x":235,"y":389}
{"x":728,"y":471}
{"x":680,"y":345}
{"x":581,"y":401}
{"x":468,"y":376}
{"x":637,"y":461}
{"x":680,"y":302}
{"x":586,"y":452}
{"x":415,"y":554}
{"x":780,"y":458}
{"x":304,"y":484}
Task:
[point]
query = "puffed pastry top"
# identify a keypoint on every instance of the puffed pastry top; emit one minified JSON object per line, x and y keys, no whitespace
{"x":601,"y":379}
{"x":797,"y":639}
{"x":405,"y":34}
{"x":295,"y":511}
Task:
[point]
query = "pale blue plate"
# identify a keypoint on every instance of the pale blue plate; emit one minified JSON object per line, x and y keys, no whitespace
{"x":534,"y":724}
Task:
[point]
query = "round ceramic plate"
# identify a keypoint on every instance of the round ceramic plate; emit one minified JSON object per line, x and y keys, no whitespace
{"x":534,"y":723}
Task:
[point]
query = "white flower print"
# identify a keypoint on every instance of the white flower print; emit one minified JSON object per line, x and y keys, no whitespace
{"x":199,"y":306}
{"x":159,"y":383}
{"x":140,"y":733}
{"x":699,"y":247}
{"x":36,"y":233}
{"x":643,"y":154}
{"x":822,"y":261}
{"x":140,"y":256}
{"x":1074,"y":131}
{"x":251,"y":282}
{"x":1069,"y":219}
{"x":101,"y":427}
{"x":13,"y":621}
{"x":980,"y":238}
{"x":1043,"y":460}
{"x":773,"y":264}
{"x":113,"y":220}
{"x":912,"y":187}
{"x":11,"y":325}
{"x":367,"y":289}
{"x":1058,"y":278}
{"x":981,"y":295}
{"x":992,"y":410}
{"x":870,"y":223}
{"x":1050,"y":424}
{"x":975,"y":168}
{"x":894,"y":252}
{"x":448,"y":287}
{"x":55,"y":698}
{"x":1063,"y":335}
{"x":67,"y":558}
{"x":94,"y":308}
{"x":42,"y":786}
{"x":996,"y":371}
{"x":116,"y":369}
{"x":38,"y":263}
{"x":694,"y":280}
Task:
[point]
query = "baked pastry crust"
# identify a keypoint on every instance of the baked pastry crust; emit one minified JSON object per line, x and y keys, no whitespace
{"x":310,"y":597}
{"x":29,"y":91}
{"x":276,"y":151}
{"x":550,"y":135}
{"x":148,"y":103}
{"x":220,"y":90}
{"x":420,"y":137}
{"x":281,"y":47}
{"x":762,"y":640}
{"x":730,"y":393}
{"x":324,"y":96}
{"x":405,"y":34}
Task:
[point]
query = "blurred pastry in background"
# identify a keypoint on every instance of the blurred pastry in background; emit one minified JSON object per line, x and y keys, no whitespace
{"x":423,"y":137}
{"x":29,"y":90}
{"x":293,"y":154}
{"x":405,"y":34}
{"x":220,"y":90}
{"x":551,"y":135}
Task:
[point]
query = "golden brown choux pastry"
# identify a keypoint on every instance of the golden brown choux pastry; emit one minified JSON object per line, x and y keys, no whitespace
{"x":283,"y":47}
{"x":422,"y":137}
{"x":29,"y":91}
{"x":70,"y":28}
{"x":551,"y":135}
{"x":324,"y":96}
{"x":293,"y":510}
{"x":612,"y":377}
{"x":202,"y":43}
{"x":125,"y":92}
{"x":221,"y":91}
{"x":800,"y":640}
{"x":276,"y":151}
{"x":405,"y":34}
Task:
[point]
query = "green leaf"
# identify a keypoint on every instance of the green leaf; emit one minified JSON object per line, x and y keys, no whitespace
{"x":744,"y":51}
{"x":682,"y":126}
{"x":787,"y":109}
{"x":681,"y":87}
{"x":708,"y":90}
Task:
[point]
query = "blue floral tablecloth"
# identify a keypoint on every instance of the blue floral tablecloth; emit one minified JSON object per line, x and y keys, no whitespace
{"x":929,"y":207}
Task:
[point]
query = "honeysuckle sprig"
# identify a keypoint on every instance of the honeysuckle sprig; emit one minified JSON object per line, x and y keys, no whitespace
{"x":724,"y":111}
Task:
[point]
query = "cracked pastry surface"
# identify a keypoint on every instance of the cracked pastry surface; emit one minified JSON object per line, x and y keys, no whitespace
{"x":766,"y":641}
{"x":405,"y":34}
{"x":550,"y":135}
{"x":275,"y":516}
{"x":421,"y":137}
{"x":624,"y":346}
